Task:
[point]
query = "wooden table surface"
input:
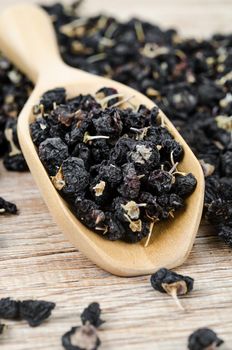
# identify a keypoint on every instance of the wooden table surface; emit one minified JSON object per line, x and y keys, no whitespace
{"x":36,"y":260}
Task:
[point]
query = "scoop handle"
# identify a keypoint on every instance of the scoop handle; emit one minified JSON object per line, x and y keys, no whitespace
{"x":28,"y":39}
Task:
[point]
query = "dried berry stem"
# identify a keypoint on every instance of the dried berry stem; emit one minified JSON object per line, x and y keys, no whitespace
{"x":96,"y":58}
{"x":125,"y":100}
{"x":105,"y":100}
{"x":88,"y":137}
{"x":173,"y":294}
{"x":171,"y":171}
{"x":150,"y":233}
{"x":172,"y":158}
{"x":139,"y":31}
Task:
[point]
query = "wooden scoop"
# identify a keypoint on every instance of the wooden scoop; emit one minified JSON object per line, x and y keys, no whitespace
{"x":27,"y":38}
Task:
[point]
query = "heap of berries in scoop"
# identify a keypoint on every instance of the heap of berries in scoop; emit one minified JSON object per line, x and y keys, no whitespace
{"x":117,"y":168}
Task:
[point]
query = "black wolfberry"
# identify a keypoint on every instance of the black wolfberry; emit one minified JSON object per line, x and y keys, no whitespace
{"x":203,"y":339}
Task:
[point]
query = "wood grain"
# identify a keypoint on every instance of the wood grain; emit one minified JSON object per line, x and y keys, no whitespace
{"x":36,"y":261}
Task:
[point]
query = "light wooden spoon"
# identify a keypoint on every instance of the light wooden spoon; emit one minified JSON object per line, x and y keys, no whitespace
{"x":27,"y":38}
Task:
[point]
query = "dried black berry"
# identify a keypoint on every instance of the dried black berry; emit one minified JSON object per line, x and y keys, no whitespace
{"x":144,"y":155}
{"x":57,"y":96}
{"x":111,"y":173}
{"x":88,"y":212}
{"x":184,"y":184}
{"x":39,"y":131}
{"x":7,"y":207}
{"x":173,"y":148}
{"x":166,"y":281}
{"x":108,"y":123}
{"x":83,"y":152}
{"x":81,"y":338}
{"x":35,"y":311}
{"x":203,"y":339}
{"x":113,"y":229}
{"x":92,"y":315}
{"x":52,"y":152}
{"x":225,"y":233}
{"x":75,"y":176}
{"x":13,"y":160}
{"x":107,"y":92}
{"x":9,"y":309}
{"x":160,"y":181}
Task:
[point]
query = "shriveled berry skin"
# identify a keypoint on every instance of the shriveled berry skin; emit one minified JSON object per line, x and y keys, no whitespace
{"x":7,"y":207}
{"x":203,"y":339}
{"x":111,"y":173}
{"x":164,"y":276}
{"x":218,"y":212}
{"x":144,"y":155}
{"x":218,"y":206}
{"x":153,"y":208}
{"x":35,"y":311}
{"x":39,"y":131}
{"x":119,"y":153}
{"x":134,"y":237}
{"x":76,"y":134}
{"x":52,"y":152}
{"x":184,"y":185}
{"x":158,"y":135}
{"x":108,"y":123}
{"x":89,"y":330}
{"x":170,"y":146}
{"x":99,"y":150}
{"x":87,"y":211}
{"x":170,"y":202}
{"x":92,"y":315}
{"x":116,"y":230}
{"x":11,"y":160}
{"x":75,"y":176}
{"x":82,"y":151}
{"x":9,"y":309}
{"x":15,"y":163}
{"x":117,"y":208}
{"x":57,"y":96}
{"x":132,"y":119}
{"x":131,"y":183}
{"x":107,"y":91}
{"x":225,"y":233}
{"x":160,"y":181}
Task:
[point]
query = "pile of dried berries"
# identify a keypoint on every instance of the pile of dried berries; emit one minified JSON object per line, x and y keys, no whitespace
{"x":33,"y":311}
{"x":189,"y":79}
{"x":117,"y":168}
{"x":15,"y":88}
{"x":85,"y":337}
